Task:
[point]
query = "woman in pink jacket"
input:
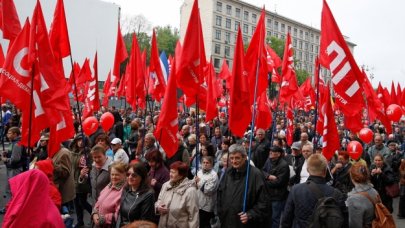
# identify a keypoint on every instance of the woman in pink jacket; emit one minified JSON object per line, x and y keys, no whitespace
{"x":105,"y":212}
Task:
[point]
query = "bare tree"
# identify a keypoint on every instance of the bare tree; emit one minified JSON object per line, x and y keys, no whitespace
{"x":135,"y":24}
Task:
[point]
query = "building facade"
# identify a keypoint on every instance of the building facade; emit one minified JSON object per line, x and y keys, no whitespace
{"x":220,"y":21}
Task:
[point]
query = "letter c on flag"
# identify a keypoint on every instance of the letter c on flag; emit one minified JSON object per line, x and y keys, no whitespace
{"x":17,"y":62}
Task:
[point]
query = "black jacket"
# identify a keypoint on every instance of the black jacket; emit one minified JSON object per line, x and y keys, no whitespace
{"x":136,"y":206}
{"x":301,"y":202}
{"x":277,"y":188}
{"x":342,"y":181}
{"x":296,"y":162}
{"x":230,"y":198}
{"x":261,"y":153}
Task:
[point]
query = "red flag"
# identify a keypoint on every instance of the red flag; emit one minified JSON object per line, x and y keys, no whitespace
{"x":240,"y":113}
{"x":9,"y":21}
{"x":193,"y":60}
{"x":155,"y":71}
{"x":289,"y":84}
{"x":309,"y":94}
{"x":167,"y":126}
{"x":373,"y":103}
{"x":263,"y":115}
{"x":53,"y":83}
{"x":256,"y":54}
{"x":136,"y":76}
{"x":120,"y":55}
{"x":2,"y":57}
{"x":387,"y":97}
{"x":92,"y":101}
{"x":15,"y":73}
{"x":330,"y":137}
{"x":60,"y":132}
{"x":212,"y":94}
{"x":399,"y":94}
{"x":393,"y":94}
{"x":106,"y":89}
{"x":336,"y":56}
{"x":273,"y":63}
{"x":225,"y":74}
{"x":58,"y":34}
{"x":124,"y":78}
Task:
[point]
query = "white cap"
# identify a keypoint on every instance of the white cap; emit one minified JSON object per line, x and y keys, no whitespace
{"x":116,"y":141}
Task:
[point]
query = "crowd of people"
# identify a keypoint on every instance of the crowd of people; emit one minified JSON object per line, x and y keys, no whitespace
{"x":123,"y":178}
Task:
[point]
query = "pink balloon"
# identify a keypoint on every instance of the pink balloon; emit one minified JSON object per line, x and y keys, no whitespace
{"x":366,"y":135}
{"x":90,"y":125}
{"x":355,"y":149}
{"x":107,"y":121}
{"x":394,"y":112}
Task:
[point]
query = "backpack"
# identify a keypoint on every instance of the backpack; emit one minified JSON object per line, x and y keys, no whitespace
{"x":383,"y":217}
{"x":327,"y":213}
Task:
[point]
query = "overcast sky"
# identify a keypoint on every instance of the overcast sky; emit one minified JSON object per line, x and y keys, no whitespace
{"x":377,"y":27}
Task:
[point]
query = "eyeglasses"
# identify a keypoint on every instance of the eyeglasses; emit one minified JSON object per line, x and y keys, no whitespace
{"x":133,"y":175}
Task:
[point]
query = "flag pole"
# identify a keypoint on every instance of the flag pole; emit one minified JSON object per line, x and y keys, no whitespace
{"x":251,"y":134}
{"x":3,"y":128}
{"x":317,"y":104}
{"x":31,"y":106}
{"x":197,"y":132}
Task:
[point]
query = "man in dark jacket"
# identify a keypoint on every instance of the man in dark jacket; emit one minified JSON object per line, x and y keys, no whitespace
{"x":296,"y":160}
{"x":231,"y":192}
{"x":261,"y":151}
{"x":301,"y":201}
{"x":277,"y":175}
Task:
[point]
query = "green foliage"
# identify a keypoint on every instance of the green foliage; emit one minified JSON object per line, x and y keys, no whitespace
{"x":302,"y":75}
{"x":167,"y":38}
{"x":277,"y":45}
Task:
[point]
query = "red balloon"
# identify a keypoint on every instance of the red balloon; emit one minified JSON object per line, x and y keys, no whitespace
{"x":366,"y":135}
{"x":394,"y":112}
{"x":90,"y":125}
{"x":355,"y":149}
{"x":107,"y":121}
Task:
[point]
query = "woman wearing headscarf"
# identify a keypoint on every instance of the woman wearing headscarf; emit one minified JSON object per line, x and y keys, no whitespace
{"x":30,"y":199}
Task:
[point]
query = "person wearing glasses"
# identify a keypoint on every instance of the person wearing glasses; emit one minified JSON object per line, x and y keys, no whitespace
{"x":106,"y":209}
{"x":137,"y":200}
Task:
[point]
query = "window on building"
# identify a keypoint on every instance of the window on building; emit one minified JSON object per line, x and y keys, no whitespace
{"x":275,"y":25}
{"x":218,"y":34}
{"x":268,"y":33}
{"x":268,"y":23}
{"x":227,"y":51}
{"x":227,"y":37}
{"x":295,"y":32}
{"x":283,"y":28}
{"x":275,"y":35}
{"x":289,"y":29}
{"x":254,"y":18}
{"x":311,"y":58}
{"x":312,"y":37}
{"x":245,"y":28}
{"x":282,"y":37}
{"x":237,"y":12}
{"x":316,"y":50}
{"x":217,"y":62}
{"x":312,"y":48}
{"x":300,"y":44}
{"x":301,"y":34}
{"x":218,"y":21}
{"x":228,"y":23}
{"x":219,"y":6}
{"x":306,"y":46}
{"x":245,"y":39}
{"x":217,"y":49}
{"x":306,"y":35}
{"x":253,"y":29}
{"x":237,"y":23}
{"x":294,"y":43}
{"x":306,"y":56}
{"x":317,"y":39}
{"x":246,"y":15}
{"x":228,"y":9}
{"x":300,"y":55}
{"x":310,"y":69}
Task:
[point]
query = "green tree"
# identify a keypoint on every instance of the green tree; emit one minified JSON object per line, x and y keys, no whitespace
{"x":302,"y":75}
{"x":167,"y":38}
{"x":277,"y":45}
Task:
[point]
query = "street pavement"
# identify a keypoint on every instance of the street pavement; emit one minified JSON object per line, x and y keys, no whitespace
{"x":3,"y":178}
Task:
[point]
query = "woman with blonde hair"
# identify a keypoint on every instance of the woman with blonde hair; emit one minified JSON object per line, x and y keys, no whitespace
{"x":105,"y":212}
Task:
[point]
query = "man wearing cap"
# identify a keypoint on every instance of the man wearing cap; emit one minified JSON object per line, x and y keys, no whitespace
{"x":277,"y":175}
{"x":296,"y":160}
{"x":394,"y":156}
{"x":119,"y":154}
{"x":41,"y":151}
{"x":231,"y":191}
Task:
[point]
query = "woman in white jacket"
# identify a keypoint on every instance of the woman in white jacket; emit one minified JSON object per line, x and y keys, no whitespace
{"x":206,"y":181}
{"x":177,"y":202}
